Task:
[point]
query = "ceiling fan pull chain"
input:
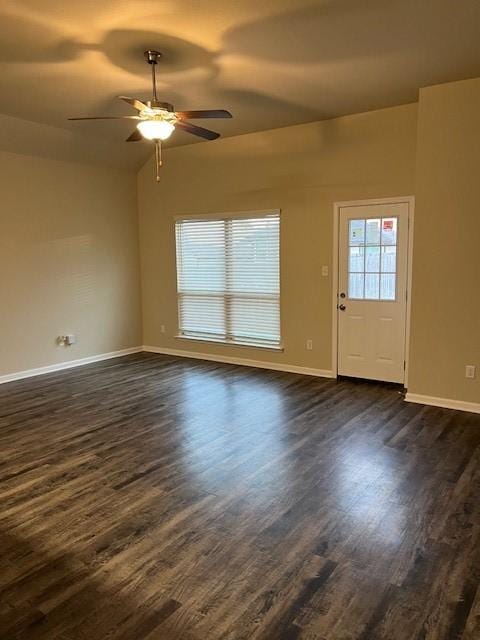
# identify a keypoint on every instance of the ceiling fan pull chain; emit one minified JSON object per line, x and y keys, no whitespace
{"x":158,"y":159}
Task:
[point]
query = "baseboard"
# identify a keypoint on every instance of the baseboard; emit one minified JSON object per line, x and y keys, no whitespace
{"x":260,"y":364}
{"x":30,"y":373}
{"x":445,"y":403}
{"x":274,"y":366}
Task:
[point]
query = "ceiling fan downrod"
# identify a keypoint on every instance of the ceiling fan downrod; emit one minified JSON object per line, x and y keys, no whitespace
{"x":152,"y":57}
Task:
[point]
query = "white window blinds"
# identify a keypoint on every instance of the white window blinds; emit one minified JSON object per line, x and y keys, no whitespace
{"x":228,"y":279}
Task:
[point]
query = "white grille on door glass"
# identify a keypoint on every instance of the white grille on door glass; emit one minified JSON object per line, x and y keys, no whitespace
{"x":372,"y":258}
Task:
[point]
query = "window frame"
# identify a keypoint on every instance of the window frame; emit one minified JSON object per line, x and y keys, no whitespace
{"x":225,"y":217}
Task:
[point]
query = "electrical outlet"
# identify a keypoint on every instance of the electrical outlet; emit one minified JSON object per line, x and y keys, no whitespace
{"x":325,"y":270}
{"x":162,"y":328}
{"x":470,"y":371}
{"x":309,"y":345}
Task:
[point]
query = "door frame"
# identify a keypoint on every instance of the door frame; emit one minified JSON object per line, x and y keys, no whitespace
{"x":410,"y":200}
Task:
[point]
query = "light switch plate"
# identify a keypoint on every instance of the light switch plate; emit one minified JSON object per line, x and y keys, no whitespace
{"x":470,"y":371}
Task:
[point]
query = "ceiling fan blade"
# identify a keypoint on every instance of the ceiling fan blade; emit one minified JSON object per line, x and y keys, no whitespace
{"x":108,"y":118}
{"x":136,"y":104}
{"x":197,"y":131}
{"x":136,"y":136}
{"x":209,"y":113}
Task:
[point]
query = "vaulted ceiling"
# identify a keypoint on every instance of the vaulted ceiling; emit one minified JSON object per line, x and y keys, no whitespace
{"x":272,"y":63}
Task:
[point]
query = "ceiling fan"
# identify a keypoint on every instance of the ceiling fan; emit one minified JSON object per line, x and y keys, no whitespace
{"x":158,"y":120}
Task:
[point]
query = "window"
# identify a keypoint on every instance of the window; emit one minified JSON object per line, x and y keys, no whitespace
{"x":372,"y":258}
{"x":228,"y":279}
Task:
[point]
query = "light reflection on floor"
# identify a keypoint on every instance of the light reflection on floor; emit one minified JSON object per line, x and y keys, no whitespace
{"x":367,"y":477}
{"x":218,"y":436}
{"x":241,"y":409}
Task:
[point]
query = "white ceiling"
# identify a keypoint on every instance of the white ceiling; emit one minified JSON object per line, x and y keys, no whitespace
{"x":272,"y":63}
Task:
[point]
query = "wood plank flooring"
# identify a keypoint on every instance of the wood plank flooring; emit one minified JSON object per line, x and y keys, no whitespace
{"x":154,"y":498}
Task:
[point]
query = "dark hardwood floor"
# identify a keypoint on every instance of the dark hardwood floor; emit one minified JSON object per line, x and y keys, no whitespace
{"x":155,"y":498}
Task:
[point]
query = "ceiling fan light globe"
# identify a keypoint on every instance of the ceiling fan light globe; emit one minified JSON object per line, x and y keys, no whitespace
{"x":155,"y":129}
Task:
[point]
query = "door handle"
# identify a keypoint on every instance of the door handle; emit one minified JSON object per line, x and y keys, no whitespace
{"x":342,"y":307}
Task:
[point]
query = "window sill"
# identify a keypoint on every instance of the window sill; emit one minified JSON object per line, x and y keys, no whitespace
{"x":252,"y":345}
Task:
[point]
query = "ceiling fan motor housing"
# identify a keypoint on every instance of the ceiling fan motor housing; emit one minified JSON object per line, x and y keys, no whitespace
{"x":155,"y":104}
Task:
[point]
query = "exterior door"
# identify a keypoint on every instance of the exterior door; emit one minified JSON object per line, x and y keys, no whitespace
{"x":372,"y":294}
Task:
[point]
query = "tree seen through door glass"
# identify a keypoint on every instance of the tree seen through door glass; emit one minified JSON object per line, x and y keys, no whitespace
{"x":372,"y":258}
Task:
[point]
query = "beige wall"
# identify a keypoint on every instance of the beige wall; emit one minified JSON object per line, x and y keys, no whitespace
{"x":302,"y":170}
{"x":446,"y":271}
{"x":68,"y":261}
{"x":69,"y":237}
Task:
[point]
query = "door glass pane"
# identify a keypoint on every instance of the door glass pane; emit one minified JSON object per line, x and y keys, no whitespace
{"x":357,"y":232}
{"x":372,"y":258}
{"x":373,"y":231}
{"x":389,"y":259}
{"x":372,"y":262}
{"x":387,"y":286}
{"x":356,"y":260}
{"x":372,"y":286}
{"x":389,"y":231}
{"x":355,"y":285}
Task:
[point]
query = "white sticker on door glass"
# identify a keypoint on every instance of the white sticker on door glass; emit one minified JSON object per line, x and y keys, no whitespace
{"x":372,"y":258}
{"x":357,"y":232}
{"x":373,"y":232}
